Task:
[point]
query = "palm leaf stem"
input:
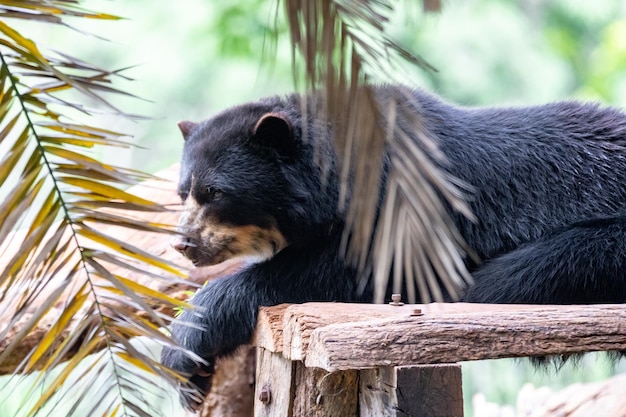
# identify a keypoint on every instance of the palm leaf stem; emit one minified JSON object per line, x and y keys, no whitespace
{"x":72,"y":227}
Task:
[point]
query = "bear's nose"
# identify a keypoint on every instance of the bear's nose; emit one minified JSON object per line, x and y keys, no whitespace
{"x":180,"y":243}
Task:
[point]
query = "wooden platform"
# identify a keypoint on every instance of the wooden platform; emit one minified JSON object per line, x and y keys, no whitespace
{"x":333,"y":359}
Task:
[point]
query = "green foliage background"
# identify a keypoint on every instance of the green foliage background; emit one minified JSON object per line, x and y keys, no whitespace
{"x":194,"y":60}
{"x":196,"y":57}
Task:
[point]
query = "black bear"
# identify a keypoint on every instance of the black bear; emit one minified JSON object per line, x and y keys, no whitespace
{"x":550,"y":193}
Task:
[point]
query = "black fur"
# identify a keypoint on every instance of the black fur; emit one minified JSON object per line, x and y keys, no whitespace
{"x":550,"y":193}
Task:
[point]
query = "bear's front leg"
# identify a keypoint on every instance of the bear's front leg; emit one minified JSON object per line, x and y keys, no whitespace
{"x":224,"y":319}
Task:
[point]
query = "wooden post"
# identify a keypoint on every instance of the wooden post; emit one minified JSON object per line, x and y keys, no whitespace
{"x":415,"y":391}
{"x":320,"y":393}
{"x":274,"y":391}
{"x":286,"y":388}
{"x":430,"y":391}
{"x":377,"y":392}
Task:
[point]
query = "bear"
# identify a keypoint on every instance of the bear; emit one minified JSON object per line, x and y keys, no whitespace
{"x":549,"y":190}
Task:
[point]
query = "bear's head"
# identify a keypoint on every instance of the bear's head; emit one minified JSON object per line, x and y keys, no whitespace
{"x":250,"y":186}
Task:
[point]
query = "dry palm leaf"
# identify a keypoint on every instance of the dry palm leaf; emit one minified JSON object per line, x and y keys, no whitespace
{"x":53,"y":199}
{"x":345,"y":51}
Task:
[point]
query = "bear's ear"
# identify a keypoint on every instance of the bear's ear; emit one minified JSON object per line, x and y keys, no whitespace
{"x":273,"y":130}
{"x":186,"y":127}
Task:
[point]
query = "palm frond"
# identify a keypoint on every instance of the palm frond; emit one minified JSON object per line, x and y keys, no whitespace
{"x":345,"y":51}
{"x":65,"y":224}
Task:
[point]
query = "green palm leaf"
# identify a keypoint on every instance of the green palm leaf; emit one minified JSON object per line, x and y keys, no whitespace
{"x":55,"y":201}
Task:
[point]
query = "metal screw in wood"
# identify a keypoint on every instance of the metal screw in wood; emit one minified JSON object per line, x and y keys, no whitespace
{"x":265,"y":395}
{"x":395,"y":300}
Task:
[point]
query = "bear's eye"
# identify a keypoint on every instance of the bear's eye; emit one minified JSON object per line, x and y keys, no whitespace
{"x":209,"y":195}
{"x":215,"y":194}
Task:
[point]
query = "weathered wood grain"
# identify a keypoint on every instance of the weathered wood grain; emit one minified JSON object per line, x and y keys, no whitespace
{"x":377,"y":392}
{"x":453,"y":337}
{"x":232,"y":389}
{"x":274,"y":392}
{"x":286,"y":328}
{"x":429,"y":391}
{"x":319,"y":393}
{"x":445,"y":333}
{"x":268,"y":333}
{"x":416,"y":391}
{"x":300,"y":320}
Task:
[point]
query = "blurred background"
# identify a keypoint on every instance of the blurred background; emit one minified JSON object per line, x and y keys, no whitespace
{"x":193,"y":58}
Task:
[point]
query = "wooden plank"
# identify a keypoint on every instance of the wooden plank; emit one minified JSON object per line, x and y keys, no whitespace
{"x":287,"y":328}
{"x":320,"y":393}
{"x":416,"y":391}
{"x":274,"y":385}
{"x":299,"y":320}
{"x":448,"y":338}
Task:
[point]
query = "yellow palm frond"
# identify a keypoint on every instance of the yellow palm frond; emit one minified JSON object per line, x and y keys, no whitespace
{"x":65,"y":223}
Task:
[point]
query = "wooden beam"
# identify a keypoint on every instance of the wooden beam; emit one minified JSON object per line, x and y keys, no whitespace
{"x":449,"y":338}
{"x":338,"y":336}
{"x":291,"y":324}
{"x":286,"y":328}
